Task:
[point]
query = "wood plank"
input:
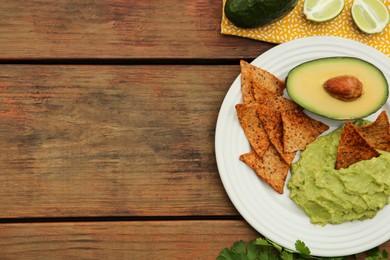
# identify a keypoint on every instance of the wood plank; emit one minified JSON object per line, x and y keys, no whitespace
{"x":124,"y":240}
{"x":130,"y":29}
{"x":111,"y":140}
{"x":121,"y":240}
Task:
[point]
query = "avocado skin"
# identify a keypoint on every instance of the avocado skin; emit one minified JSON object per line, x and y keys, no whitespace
{"x":373,"y":109}
{"x":255,"y":13}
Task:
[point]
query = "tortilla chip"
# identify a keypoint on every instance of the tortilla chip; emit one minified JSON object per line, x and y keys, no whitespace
{"x":265,"y":79}
{"x":270,"y":167}
{"x":273,"y":126}
{"x":353,"y":147}
{"x":299,"y":130}
{"x":259,"y":79}
{"x":254,"y":131}
{"x":377,"y":133}
{"x":246,"y":82}
{"x":275,"y":101}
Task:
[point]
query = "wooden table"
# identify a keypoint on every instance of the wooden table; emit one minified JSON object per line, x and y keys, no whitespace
{"x":107,"y":123}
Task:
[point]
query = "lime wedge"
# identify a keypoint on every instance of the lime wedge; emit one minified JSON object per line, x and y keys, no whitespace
{"x":322,"y":10}
{"x":370,"y":16}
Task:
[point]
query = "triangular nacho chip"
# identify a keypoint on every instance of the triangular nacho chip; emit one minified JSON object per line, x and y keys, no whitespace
{"x":273,"y":126}
{"x":267,"y":80}
{"x":254,"y":80}
{"x":246,"y":82}
{"x":299,"y":130}
{"x":270,"y":167}
{"x":353,"y":147}
{"x":275,"y":101}
{"x":377,"y":133}
{"x":251,"y":125}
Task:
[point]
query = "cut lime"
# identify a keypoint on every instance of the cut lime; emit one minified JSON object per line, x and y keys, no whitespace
{"x":370,"y":16}
{"x":322,"y":10}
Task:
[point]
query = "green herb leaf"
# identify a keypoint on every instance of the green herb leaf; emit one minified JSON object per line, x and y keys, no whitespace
{"x":278,"y":247}
{"x":262,"y":242}
{"x":239,"y":248}
{"x":251,"y":251}
{"x":286,"y":255}
{"x":376,"y":254}
{"x":302,"y":248}
{"x":225,"y":255}
{"x":264,"y":249}
{"x":268,"y":254}
{"x":385,"y":255}
{"x":240,"y":251}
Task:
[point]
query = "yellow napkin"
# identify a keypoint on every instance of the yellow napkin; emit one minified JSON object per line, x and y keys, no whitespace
{"x":294,"y":26}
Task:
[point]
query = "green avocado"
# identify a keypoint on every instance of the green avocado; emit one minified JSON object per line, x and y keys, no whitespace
{"x":307,"y":85}
{"x":255,"y":13}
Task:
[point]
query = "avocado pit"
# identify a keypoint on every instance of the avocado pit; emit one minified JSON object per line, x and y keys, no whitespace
{"x":345,"y":87}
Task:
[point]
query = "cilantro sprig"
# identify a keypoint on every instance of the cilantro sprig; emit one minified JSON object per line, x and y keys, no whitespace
{"x":265,"y":249}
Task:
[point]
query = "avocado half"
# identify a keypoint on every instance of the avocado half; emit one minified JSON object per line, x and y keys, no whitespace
{"x":305,"y":85}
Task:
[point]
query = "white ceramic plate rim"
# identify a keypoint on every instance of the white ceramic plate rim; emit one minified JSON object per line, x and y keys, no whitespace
{"x":276,"y":216}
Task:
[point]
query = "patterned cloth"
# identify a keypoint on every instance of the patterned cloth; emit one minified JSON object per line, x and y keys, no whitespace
{"x":294,"y":26}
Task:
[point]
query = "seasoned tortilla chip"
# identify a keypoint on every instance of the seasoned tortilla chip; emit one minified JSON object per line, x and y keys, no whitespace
{"x":265,"y":79}
{"x":251,"y":125}
{"x":353,"y":147}
{"x":273,"y":126}
{"x":299,"y":130}
{"x":275,"y":101}
{"x":270,"y":167}
{"x":259,"y":79}
{"x":377,"y":133}
{"x":246,"y":82}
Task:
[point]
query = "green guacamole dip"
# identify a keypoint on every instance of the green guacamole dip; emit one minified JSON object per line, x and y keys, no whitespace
{"x":330,"y":196}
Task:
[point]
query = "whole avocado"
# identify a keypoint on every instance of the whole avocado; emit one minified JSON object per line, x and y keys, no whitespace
{"x":255,"y":13}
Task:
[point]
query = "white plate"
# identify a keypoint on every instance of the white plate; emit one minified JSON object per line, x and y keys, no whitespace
{"x":276,"y":216}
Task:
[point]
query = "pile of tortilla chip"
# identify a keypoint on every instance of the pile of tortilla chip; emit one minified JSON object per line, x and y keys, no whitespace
{"x":275,"y":126}
{"x":361,"y":143}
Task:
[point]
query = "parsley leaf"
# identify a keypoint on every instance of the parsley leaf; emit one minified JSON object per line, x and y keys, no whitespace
{"x":385,"y":255}
{"x":259,"y":249}
{"x":239,"y":248}
{"x":376,"y":254}
{"x":264,"y":249}
{"x":251,"y":251}
{"x":285,"y":255}
{"x":239,"y":251}
{"x":302,"y":248}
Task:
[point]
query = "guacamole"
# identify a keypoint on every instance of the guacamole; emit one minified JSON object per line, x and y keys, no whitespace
{"x":330,"y":196}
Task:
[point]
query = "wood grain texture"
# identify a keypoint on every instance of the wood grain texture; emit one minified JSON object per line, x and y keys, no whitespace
{"x":130,"y":29}
{"x":124,"y":240}
{"x":111,"y":140}
{"x":121,"y":240}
